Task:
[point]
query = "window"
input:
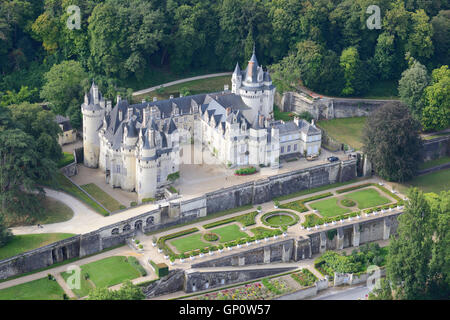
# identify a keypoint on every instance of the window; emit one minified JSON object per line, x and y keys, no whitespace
{"x":289,"y":148}
{"x":158,"y":179}
{"x":282,"y":149}
{"x":118,"y":168}
{"x":295,"y":147}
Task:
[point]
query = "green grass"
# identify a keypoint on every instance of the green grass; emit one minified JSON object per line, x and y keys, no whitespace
{"x":312,"y":220}
{"x":195,"y":87}
{"x":432,"y":182}
{"x":105,"y":273}
{"x":345,"y":130}
{"x":229,"y":233}
{"x":67,"y":158}
{"x":434,"y":163}
{"x":313,"y":190}
{"x":55,"y":211}
{"x":328,"y":207}
{"x":40,"y":289}
{"x":188,"y":243}
{"x":280,"y":220}
{"x":367,"y":198}
{"x":27,"y":242}
{"x":101,"y":196}
{"x":260,"y":230}
{"x":280,"y":115}
{"x":64,"y":184}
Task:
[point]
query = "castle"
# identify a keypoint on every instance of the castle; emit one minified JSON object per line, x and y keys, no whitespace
{"x":138,"y":146}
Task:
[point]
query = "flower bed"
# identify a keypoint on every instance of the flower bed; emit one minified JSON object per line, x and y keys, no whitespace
{"x":348,"y":203}
{"x":305,"y":278}
{"x":211,"y":237}
{"x":245,"y":171}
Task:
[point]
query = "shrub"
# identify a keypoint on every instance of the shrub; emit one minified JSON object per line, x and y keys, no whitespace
{"x":211,"y":237}
{"x":173,"y":176}
{"x":245,"y":171}
{"x":135,"y":263}
{"x":348,"y":203}
{"x":133,"y":204}
{"x":246,"y":220}
{"x":122,"y":207}
{"x":305,"y":278}
{"x":146,"y":200}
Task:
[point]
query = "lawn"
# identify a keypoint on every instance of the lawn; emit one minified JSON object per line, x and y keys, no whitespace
{"x":280,"y":115}
{"x":67,"y":158}
{"x":104,"y":273}
{"x":41,"y":289}
{"x":434,"y":163}
{"x":101,"y":196}
{"x":55,"y":211}
{"x":345,"y":130}
{"x":27,"y":242}
{"x":195,"y":87}
{"x":188,"y":243}
{"x":367,"y":198}
{"x":64,"y":184}
{"x":432,"y":182}
{"x":329,"y":207}
{"x":229,"y":233}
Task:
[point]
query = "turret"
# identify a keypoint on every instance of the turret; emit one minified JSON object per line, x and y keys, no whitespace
{"x":93,"y":114}
{"x":236,"y":79}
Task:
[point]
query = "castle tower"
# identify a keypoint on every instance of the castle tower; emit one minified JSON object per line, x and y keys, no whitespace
{"x":130,"y":137}
{"x":146,"y":165}
{"x":93,"y":110}
{"x":256,"y":89}
{"x":236,"y":79}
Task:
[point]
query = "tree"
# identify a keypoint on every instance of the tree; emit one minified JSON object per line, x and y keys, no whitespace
{"x":441,"y":40}
{"x":436,"y":113}
{"x":64,"y":86}
{"x":285,"y":74}
{"x":411,"y":87}
{"x":128,"y":291}
{"x":385,"y":57}
{"x":353,"y":74}
{"x":391,"y":142}
{"x":11,"y":97}
{"x":5,"y":233}
{"x":419,"y":42}
{"x":123,"y":35}
{"x":39,"y":124}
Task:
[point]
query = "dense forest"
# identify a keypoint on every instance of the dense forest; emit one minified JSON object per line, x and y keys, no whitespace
{"x":127,"y":45}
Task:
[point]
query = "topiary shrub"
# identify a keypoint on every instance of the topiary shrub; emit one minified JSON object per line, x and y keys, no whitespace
{"x":211,"y":237}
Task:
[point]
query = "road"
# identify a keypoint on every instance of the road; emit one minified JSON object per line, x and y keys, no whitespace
{"x":352,"y":293}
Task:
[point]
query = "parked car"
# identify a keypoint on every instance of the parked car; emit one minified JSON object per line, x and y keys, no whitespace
{"x":332,"y":159}
{"x":312,"y":157}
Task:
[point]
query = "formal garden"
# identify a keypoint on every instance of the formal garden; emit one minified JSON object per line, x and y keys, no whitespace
{"x":106,"y":273}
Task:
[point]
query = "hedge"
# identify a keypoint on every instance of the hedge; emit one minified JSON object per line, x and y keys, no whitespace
{"x":161,"y":269}
{"x":162,"y":241}
{"x":245,"y":171}
{"x":268,"y":214}
{"x":247,"y":219}
{"x":354,"y":187}
{"x":135,"y":263}
{"x":299,"y":206}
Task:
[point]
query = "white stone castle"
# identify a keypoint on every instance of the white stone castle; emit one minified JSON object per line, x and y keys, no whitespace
{"x":138,"y":146}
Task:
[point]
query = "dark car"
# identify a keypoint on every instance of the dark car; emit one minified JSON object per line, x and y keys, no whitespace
{"x":333,"y":159}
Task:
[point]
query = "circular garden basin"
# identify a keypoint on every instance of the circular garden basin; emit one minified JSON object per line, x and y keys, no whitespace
{"x":279,"y":218}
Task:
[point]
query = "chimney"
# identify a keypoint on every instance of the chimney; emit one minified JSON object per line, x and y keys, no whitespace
{"x":120,"y":115}
{"x":226,"y":87}
{"x":155,"y":99}
{"x":312,"y":123}
{"x":297,"y":121}
{"x":181,"y":95}
{"x":171,"y":96}
{"x":95,"y":93}
{"x":228,"y":110}
{"x":129,"y":113}
{"x":119,"y":98}
{"x":261,"y":121}
{"x":86,"y":100}
{"x":108,"y":106}
{"x":143,"y":101}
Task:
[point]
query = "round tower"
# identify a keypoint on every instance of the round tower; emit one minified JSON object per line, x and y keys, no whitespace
{"x":146,"y":166}
{"x":93,"y":115}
